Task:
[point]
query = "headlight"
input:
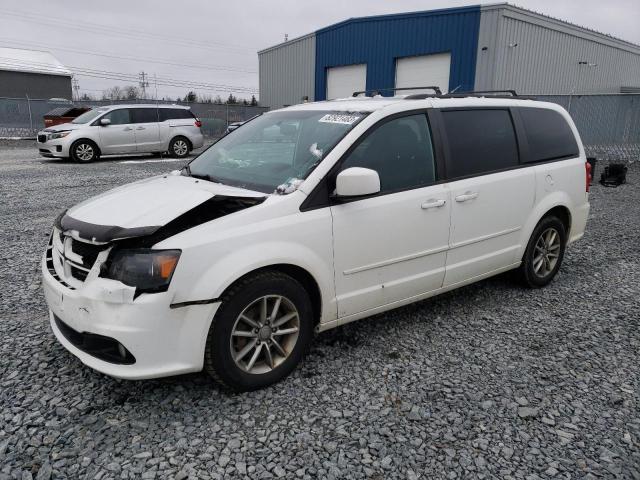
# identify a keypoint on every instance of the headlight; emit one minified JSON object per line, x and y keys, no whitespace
{"x":147,"y":270}
{"x":53,"y":136}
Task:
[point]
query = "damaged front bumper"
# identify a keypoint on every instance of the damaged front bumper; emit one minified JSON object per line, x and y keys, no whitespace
{"x":108,"y":330}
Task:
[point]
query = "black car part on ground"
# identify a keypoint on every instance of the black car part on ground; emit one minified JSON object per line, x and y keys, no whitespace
{"x":614,"y":175}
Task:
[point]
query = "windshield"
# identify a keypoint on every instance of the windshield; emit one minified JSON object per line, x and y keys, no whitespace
{"x":274,"y":150}
{"x":86,"y":117}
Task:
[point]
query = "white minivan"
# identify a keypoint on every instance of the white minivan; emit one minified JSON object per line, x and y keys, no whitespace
{"x":123,"y":129}
{"x":307,"y":218}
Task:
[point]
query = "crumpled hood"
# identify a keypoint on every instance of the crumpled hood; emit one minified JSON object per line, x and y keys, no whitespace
{"x":143,"y":207}
{"x":64,"y":127}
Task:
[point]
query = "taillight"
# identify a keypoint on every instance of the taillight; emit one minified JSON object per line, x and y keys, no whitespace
{"x":587,"y":168}
{"x":198,"y":123}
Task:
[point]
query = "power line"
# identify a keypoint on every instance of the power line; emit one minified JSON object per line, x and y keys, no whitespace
{"x":127,"y":77}
{"x":111,"y":31}
{"x":120,"y":57}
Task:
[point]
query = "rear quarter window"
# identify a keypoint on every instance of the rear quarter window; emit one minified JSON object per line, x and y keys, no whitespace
{"x":480,"y":141}
{"x":174,"y":114}
{"x":548,"y":135}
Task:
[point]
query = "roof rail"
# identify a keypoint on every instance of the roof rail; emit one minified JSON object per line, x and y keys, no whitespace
{"x":376,"y":91}
{"x":482,"y":92}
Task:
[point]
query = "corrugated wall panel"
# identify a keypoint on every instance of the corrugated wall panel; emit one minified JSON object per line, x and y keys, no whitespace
{"x":545,"y":60}
{"x":379,"y":41}
{"x":287,"y":72}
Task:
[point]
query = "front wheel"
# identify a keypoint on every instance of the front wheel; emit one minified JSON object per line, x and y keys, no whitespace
{"x":84,"y":151}
{"x":179,"y":147}
{"x":260,"y":332}
{"x":544,"y":253}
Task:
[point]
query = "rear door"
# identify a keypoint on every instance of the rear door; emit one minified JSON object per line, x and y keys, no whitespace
{"x":118,"y":136}
{"x":147,"y":131}
{"x":392,"y":246}
{"x":491,"y":195}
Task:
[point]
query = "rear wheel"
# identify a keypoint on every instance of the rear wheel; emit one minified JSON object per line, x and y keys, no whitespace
{"x":260,"y":332}
{"x":544,"y":253}
{"x":179,"y":147}
{"x":84,"y":151}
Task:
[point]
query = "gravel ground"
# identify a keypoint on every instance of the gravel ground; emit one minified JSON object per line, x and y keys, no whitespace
{"x":489,"y":381}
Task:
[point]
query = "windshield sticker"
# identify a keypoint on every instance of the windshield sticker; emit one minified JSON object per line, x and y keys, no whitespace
{"x":342,"y":118}
{"x":289,"y":186}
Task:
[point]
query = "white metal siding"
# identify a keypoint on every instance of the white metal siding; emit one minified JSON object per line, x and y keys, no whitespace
{"x":546,"y":57}
{"x":287,"y":72}
{"x":343,"y":81}
{"x":422,"y":71}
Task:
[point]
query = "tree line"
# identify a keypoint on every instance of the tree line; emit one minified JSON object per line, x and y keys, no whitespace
{"x":131,"y":92}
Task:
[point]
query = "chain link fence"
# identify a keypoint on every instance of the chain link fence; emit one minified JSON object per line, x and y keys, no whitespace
{"x":23,"y":117}
{"x":609,"y":124}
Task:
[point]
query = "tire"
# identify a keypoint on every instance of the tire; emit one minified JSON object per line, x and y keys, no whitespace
{"x":544,"y":253}
{"x":244,"y":300}
{"x":179,"y":147}
{"x":84,"y":151}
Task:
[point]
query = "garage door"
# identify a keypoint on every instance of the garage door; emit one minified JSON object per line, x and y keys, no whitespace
{"x":343,"y":81}
{"x":423,"y":71}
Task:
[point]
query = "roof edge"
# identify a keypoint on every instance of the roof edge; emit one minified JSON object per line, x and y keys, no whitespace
{"x":564,"y":23}
{"x":394,"y":16}
{"x":288,"y":42}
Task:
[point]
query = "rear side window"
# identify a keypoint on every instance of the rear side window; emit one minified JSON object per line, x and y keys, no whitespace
{"x":174,"y":114}
{"x":480,"y":141}
{"x":145,"y":115}
{"x":548,"y":135}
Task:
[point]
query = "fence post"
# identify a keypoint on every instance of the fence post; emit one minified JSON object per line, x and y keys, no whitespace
{"x":30,"y":117}
{"x":227,"y":120}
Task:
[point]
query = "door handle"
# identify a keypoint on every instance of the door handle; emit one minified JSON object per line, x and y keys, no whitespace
{"x":433,"y":203}
{"x":126,"y":129}
{"x":465,"y":197}
{"x":140,"y":128}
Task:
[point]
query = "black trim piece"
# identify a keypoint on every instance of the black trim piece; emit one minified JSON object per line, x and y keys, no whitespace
{"x":521,"y":138}
{"x":194,"y":302}
{"x":103,"y":348}
{"x":101,"y":233}
{"x":320,"y":196}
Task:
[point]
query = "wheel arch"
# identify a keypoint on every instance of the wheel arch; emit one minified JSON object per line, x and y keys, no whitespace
{"x":296,"y":272}
{"x":184,"y":137}
{"x":557,"y":204}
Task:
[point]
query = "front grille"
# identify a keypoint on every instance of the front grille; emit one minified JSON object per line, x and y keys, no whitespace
{"x":88,"y":251}
{"x":42,"y":138}
{"x":104,"y":348}
{"x":74,"y":258}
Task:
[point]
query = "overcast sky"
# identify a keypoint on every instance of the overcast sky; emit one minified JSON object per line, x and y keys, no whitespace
{"x":214,"y":43}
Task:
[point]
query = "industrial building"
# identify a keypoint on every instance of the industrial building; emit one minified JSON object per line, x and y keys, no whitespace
{"x":487,"y":47}
{"x":33,"y":74}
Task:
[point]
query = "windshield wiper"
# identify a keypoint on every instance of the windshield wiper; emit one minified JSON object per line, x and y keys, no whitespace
{"x":202,"y":176}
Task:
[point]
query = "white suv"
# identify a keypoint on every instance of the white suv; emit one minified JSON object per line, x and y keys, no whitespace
{"x":307,"y":218}
{"x":121,"y":129}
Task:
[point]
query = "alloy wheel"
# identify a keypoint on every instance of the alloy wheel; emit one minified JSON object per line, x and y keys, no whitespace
{"x":180,"y":148}
{"x":546,"y":252}
{"x":84,"y":152}
{"x":265,"y":334}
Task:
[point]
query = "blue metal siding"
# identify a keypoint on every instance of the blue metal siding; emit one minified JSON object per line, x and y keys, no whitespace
{"x":378,"y":41}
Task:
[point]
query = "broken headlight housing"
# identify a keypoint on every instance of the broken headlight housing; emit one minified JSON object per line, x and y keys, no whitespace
{"x":148,"y":270}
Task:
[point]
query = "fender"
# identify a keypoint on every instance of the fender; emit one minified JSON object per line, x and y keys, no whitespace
{"x":226,"y":270}
{"x":550,"y":201}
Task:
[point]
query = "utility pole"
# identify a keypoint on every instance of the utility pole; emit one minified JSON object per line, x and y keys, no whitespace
{"x":76,"y":88}
{"x":143,"y":84}
{"x":155,"y":81}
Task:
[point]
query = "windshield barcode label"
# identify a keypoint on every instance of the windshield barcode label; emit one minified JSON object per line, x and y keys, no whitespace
{"x":339,"y":118}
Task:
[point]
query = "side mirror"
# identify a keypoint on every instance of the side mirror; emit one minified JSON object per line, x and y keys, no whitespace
{"x":357,"y":182}
{"x":105,"y":121}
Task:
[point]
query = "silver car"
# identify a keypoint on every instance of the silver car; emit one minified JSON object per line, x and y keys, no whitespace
{"x":120,"y":129}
